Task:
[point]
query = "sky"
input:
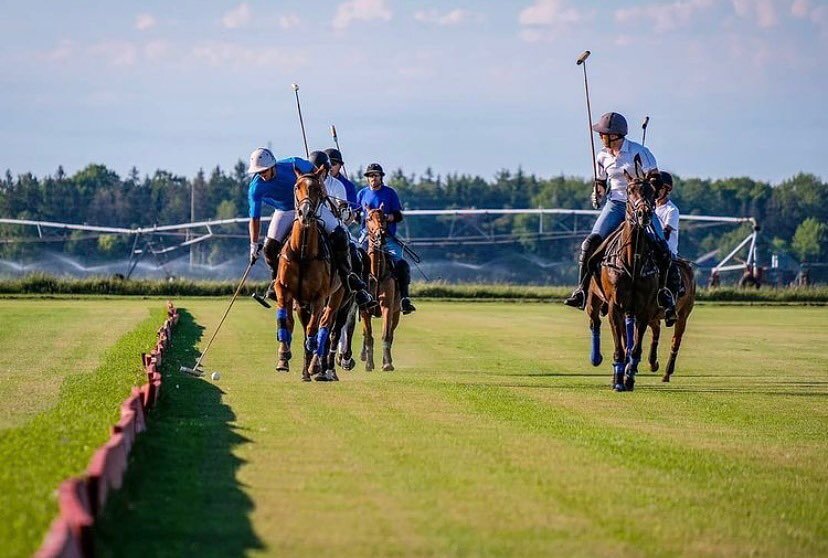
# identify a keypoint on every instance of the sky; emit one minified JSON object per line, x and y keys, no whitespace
{"x":732,"y":87}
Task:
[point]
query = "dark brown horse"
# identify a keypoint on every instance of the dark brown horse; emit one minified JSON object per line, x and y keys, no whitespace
{"x":684,"y":307}
{"x":306,"y":278}
{"x":383,"y":287}
{"x":628,"y":283}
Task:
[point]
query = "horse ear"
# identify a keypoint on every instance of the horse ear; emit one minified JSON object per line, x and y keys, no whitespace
{"x":381,"y":206}
{"x":639,"y":169}
{"x":319,"y":172}
{"x":628,"y":176}
{"x":297,"y":172}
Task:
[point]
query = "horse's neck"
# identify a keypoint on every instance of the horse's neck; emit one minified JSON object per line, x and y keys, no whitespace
{"x":631,"y":241}
{"x":378,"y":264}
{"x":307,"y":234}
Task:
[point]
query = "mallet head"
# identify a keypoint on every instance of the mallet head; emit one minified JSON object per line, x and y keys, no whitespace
{"x":646,"y":121}
{"x":294,"y":86}
{"x":583,"y":57}
{"x":192,"y":371}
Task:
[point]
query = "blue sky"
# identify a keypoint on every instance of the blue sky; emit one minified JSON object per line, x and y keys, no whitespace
{"x":733,"y":87}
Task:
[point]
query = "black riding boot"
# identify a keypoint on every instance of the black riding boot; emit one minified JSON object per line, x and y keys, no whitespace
{"x":342,"y":259}
{"x":664,"y":260}
{"x":403,"y":273}
{"x":578,"y":297}
{"x":674,"y":281}
{"x":271,"y":251}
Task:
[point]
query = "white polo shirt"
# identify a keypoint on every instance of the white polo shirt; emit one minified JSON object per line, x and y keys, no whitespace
{"x":668,"y":214}
{"x":611,"y":168}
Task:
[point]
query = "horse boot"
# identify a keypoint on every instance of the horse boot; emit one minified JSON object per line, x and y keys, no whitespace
{"x":403,"y":273}
{"x":342,"y":258}
{"x":674,"y":281}
{"x":578,"y":297}
{"x":664,"y":260}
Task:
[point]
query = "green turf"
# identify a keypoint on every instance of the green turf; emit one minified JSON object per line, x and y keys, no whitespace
{"x":69,"y":410}
{"x":494,"y":437}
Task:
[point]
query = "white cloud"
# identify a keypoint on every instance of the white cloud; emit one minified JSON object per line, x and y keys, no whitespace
{"x":237,"y":17}
{"x":436,"y":17}
{"x":801,"y":8}
{"x":144,"y":22}
{"x":246,"y":58}
{"x":550,"y":13}
{"x":156,"y":50}
{"x":62,"y":52}
{"x":360,"y":10}
{"x":116,"y":53}
{"x":289,"y":21}
{"x":665,"y":17}
{"x":763,"y":12}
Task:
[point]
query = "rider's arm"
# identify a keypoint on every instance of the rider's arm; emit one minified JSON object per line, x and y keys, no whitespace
{"x":253,"y":229}
{"x":254,"y":200}
{"x":394,"y":211}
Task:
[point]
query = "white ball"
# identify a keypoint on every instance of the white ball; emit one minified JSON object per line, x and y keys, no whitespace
{"x":215,"y":376}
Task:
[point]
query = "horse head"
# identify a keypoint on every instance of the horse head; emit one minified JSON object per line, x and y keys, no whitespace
{"x":376,"y":225}
{"x":308,"y":193}
{"x":640,"y":199}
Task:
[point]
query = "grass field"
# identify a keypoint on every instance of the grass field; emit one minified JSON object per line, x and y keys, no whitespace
{"x":493,"y":437}
{"x":65,"y":366}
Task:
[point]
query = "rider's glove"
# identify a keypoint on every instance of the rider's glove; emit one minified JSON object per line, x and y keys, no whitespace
{"x":255,"y":250}
{"x":598,"y":192}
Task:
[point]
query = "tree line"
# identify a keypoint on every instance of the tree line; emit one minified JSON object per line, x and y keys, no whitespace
{"x":793,"y":214}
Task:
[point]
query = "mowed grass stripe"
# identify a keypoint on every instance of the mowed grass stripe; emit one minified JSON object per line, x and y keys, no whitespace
{"x":494,"y":437}
{"x":42,"y":341}
{"x":59,"y":442}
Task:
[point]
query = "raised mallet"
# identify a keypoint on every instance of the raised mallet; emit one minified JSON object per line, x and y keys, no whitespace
{"x":197,"y":370}
{"x":295,"y":87}
{"x":582,"y":62}
{"x":644,"y":129}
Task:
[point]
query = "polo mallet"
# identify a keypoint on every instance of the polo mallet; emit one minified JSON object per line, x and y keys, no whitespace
{"x":336,"y":142}
{"x":582,"y":62}
{"x":295,"y":87}
{"x":197,"y":370}
{"x":644,"y":129}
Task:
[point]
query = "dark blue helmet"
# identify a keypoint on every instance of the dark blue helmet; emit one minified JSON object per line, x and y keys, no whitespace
{"x":320,"y":159}
{"x":374,"y":168}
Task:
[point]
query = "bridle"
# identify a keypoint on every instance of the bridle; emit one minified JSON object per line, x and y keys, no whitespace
{"x":307,"y":209}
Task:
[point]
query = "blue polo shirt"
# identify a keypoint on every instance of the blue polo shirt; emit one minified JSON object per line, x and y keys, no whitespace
{"x":350,"y":189}
{"x":278,"y":191}
{"x":372,"y":199}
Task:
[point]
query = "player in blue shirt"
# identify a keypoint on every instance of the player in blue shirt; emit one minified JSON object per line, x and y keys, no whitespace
{"x":377,"y":194}
{"x":272,"y":184}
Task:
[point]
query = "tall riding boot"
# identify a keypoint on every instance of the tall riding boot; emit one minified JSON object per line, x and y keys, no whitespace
{"x":578,"y":297}
{"x":342,"y":259}
{"x":674,"y":281}
{"x":666,"y":299}
{"x":403,"y":273}
{"x":271,"y":250}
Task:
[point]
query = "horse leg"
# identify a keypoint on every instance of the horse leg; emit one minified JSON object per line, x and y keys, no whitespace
{"x":678,"y":333}
{"x":346,"y":350}
{"x":387,"y":335}
{"x":635,"y":336}
{"x":655,"y":325}
{"x":594,"y":309}
{"x":311,"y":342}
{"x":284,"y":327}
{"x":326,"y":337}
{"x":617,"y":328}
{"x":367,"y":355}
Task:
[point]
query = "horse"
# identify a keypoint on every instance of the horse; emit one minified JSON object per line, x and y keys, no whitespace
{"x":684,"y":307}
{"x":306,"y":277}
{"x":383,"y":286}
{"x":628,"y":283}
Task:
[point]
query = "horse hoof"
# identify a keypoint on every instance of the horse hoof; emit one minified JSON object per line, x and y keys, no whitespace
{"x":282,"y":366}
{"x":665,"y":378}
{"x":629,"y":384}
{"x":369,"y":368}
{"x":322,"y":378}
{"x":362,"y":356}
{"x":333,"y":376}
{"x":388,"y":367}
{"x":596,"y":361}
{"x":618,"y":388}
{"x":654,"y":366}
{"x":348,"y":364}
{"x":306,"y":377}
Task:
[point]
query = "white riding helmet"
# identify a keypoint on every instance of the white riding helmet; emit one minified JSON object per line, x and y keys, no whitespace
{"x":260,"y":160}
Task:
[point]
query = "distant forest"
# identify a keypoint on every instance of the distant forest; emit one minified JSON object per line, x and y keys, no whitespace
{"x":793,"y":214}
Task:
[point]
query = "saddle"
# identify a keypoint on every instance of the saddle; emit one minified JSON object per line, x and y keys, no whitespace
{"x":612,"y":248}
{"x":325,"y":251}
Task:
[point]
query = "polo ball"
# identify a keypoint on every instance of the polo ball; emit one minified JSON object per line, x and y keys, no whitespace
{"x":215,"y":376}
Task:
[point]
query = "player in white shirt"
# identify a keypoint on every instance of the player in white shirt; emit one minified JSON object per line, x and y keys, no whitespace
{"x":668,"y":215}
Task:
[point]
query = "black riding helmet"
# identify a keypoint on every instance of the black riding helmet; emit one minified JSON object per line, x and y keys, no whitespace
{"x":334,"y":155}
{"x":667,"y":180}
{"x":611,"y":123}
{"x":319,"y":159}
{"x":372,"y":168}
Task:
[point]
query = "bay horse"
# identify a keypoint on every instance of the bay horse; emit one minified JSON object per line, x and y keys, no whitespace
{"x":383,"y":287}
{"x":628,"y":282}
{"x":684,"y":306}
{"x":306,"y":277}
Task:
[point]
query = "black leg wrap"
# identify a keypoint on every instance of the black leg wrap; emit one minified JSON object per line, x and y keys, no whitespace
{"x":271,"y":255}
{"x":403,"y":273}
{"x":356,"y":260}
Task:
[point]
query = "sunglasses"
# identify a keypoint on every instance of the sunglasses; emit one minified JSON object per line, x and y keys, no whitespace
{"x":373,"y":174}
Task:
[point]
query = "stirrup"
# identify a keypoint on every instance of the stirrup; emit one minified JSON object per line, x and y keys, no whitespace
{"x":406,"y":306}
{"x":364,"y":299}
{"x":665,"y":298}
{"x":577,"y":299}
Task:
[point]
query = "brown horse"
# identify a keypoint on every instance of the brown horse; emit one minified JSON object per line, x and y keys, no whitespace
{"x":628,"y":283}
{"x":684,"y":307}
{"x":306,"y":278}
{"x":383,"y":287}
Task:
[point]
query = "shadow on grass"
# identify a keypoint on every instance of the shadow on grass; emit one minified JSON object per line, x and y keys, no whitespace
{"x":181,"y":496}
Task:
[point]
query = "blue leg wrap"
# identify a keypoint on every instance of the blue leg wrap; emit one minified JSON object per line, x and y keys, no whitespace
{"x":629,"y":321}
{"x":282,"y":333}
{"x":311,"y":344}
{"x":595,"y":356}
{"x":322,"y":341}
